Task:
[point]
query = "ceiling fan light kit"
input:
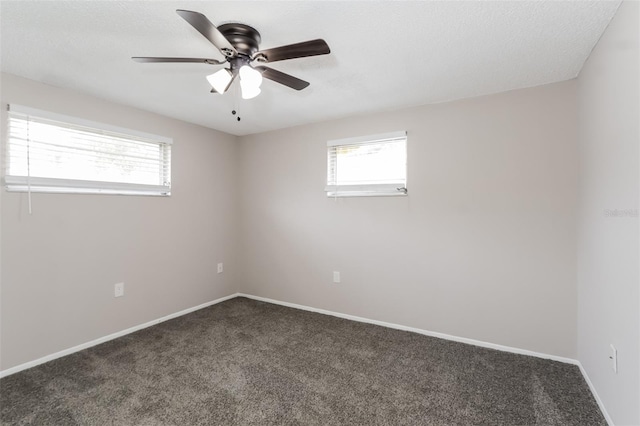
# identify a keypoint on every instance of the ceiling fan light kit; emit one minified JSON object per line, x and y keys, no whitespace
{"x":220,"y":80}
{"x":239,"y":43}
{"x":250,"y":81}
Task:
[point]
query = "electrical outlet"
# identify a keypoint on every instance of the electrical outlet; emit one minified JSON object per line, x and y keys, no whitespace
{"x":336,"y":276}
{"x":613,"y":356}
{"x":220,"y":268}
{"x":118,"y":290}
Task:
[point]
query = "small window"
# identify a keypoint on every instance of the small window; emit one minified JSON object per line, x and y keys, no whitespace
{"x":367,"y":166}
{"x":47,"y":152}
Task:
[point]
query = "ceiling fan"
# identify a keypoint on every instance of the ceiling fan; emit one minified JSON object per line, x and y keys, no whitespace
{"x":239,"y":44}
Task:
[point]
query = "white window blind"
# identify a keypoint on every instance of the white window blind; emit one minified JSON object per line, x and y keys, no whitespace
{"x":48,"y":152}
{"x":367,"y":166}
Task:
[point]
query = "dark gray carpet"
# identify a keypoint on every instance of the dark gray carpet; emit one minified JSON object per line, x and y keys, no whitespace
{"x":244,"y":362}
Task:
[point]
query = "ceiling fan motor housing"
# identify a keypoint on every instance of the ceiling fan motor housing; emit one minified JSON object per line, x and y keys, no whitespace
{"x":244,"y":38}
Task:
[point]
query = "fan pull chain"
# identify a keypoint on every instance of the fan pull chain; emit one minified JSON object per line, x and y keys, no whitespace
{"x":234,"y":111}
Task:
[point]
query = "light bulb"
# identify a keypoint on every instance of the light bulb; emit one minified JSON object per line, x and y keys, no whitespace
{"x":250,"y":76}
{"x":249,"y":91}
{"x":220,"y":80}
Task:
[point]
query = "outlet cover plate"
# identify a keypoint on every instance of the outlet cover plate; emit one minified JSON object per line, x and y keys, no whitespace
{"x":613,"y":356}
{"x":118,"y":290}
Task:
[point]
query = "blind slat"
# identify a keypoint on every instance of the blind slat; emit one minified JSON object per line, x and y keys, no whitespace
{"x":56,"y":156}
{"x":368,"y":165}
{"x":75,"y":122}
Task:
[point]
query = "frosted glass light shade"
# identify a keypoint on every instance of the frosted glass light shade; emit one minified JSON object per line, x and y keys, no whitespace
{"x":250,"y":76}
{"x":250,"y":81}
{"x":220,"y":80}
{"x":248,"y":91}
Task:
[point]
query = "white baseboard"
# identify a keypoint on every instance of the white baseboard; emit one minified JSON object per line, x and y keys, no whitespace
{"x":603,"y":409}
{"x":418,"y":330}
{"x":121,"y":333}
{"x":474,"y":342}
{"x":448,"y":337}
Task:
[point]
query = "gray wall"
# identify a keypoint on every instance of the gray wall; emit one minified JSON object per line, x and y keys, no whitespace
{"x":483,"y":247}
{"x":608,"y":305}
{"x":59,"y":264}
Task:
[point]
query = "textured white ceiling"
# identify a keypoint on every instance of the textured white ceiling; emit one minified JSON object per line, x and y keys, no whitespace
{"x":385,"y":55}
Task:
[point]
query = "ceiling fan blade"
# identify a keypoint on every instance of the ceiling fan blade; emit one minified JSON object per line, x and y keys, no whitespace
{"x":159,"y":59}
{"x":298,"y":50}
{"x":208,"y":30}
{"x":283,"y":78}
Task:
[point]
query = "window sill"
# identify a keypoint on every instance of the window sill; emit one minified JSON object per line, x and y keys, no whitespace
{"x":71,"y":186}
{"x":365,"y":194}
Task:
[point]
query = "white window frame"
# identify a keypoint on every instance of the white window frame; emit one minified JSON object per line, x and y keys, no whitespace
{"x":20,"y":183}
{"x":365,"y":190}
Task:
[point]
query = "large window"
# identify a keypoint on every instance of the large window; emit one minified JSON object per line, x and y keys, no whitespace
{"x":47,"y":152}
{"x":367,"y":166}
